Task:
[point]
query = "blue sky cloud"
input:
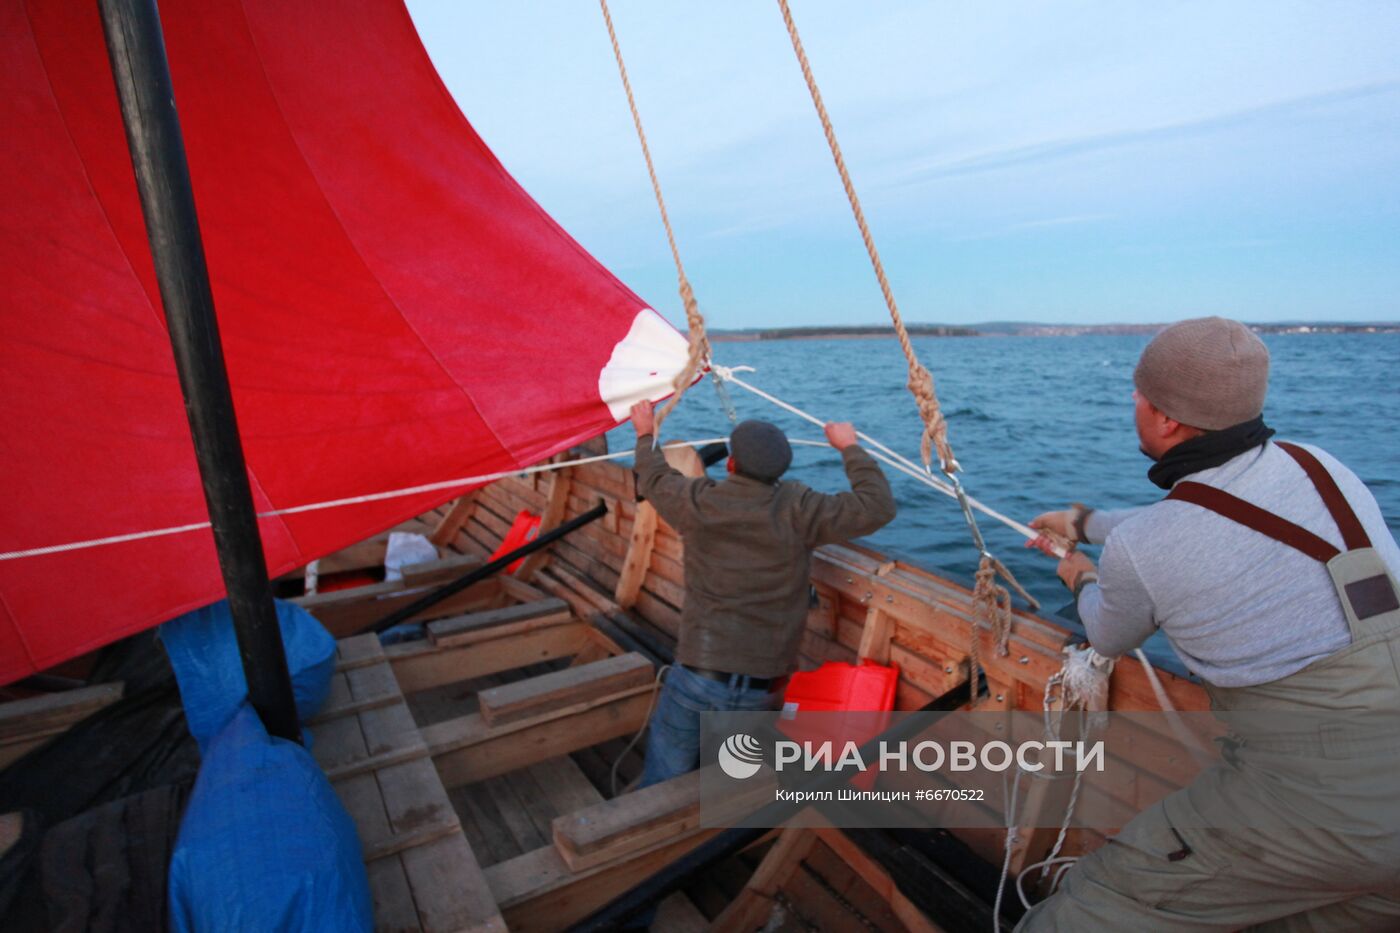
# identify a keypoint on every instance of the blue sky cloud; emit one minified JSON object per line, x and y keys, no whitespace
{"x":1078,"y":160}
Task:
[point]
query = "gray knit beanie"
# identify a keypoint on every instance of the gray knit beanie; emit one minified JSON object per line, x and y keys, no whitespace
{"x":1208,"y":372}
{"x":760,"y":450}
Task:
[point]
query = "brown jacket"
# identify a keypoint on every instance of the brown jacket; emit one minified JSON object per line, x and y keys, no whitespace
{"x":748,"y":553}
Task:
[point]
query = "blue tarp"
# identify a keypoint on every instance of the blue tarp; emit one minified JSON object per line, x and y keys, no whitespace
{"x":204,"y":653}
{"x":265,"y":843}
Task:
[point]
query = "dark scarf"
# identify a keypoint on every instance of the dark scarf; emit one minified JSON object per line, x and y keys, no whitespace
{"x":1209,"y":450}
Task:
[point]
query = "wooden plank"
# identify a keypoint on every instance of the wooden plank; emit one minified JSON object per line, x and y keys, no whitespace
{"x":824,"y":867}
{"x":755,"y":902}
{"x":468,"y":748}
{"x":628,"y":823}
{"x":452,"y":522}
{"x":874,"y":874}
{"x":420,"y":665}
{"x":383,"y":694}
{"x":632,"y":822}
{"x":358,"y":651}
{"x":551,"y":516}
{"x":537,"y":696}
{"x":520,"y":590}
{"x":875,"y":637}
{"x":342,"y":740}
{"x":26,"y":724}
{"x":448,"y":887}
{"x":23,"y":718}
{"x":450,"y":895}
{"x":439,"y":571}
{"x":537,"y":892}
{"x":350,"y":612}
{"x":358,"y":766}
{"x":477,"y":627}
{"x":564,"y":785}
{"x":596,"y":647}
{"x":638,"y":560}
{"x":678,"y":914}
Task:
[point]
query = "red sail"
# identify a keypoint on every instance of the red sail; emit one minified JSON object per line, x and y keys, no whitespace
{"x":395,"y":309}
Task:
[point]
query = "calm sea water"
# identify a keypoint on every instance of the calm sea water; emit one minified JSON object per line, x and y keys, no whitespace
{"x":1038,"y":422}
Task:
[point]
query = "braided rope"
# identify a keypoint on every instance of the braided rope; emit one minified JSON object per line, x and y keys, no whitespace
{"x":935,"y":434}
{"x":699,"y":350}
{"x":991,"y":603}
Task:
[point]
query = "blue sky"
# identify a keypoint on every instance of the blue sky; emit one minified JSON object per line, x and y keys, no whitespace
{"x":1062,"y":162}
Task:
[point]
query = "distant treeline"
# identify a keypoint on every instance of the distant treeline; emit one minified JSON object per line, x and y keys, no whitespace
{"x":813,"y":333}
{"x":1029,"y":329}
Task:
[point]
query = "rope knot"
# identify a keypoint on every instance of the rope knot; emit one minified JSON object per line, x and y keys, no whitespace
{"x":935,"y":436}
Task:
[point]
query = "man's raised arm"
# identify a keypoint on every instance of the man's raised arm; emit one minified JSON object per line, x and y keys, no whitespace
{"x":658,"y":482}
{"x":869,"y":505}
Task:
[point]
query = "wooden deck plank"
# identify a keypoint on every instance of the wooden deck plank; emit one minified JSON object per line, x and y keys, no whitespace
{"x":469,"y":749}
{"x":29,"y":723}
{"x":349,"y":612}
{"x":483,"y":826}
{"x":420,"y":665}
{"x":450,"y":896}
{"x":535,"y":696}
{"x":504,"y":790}
{"x":477,"y":627}
{"x":537,"y":892}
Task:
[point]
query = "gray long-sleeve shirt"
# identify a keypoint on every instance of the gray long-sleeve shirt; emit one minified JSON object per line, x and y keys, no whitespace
{"x":1238,"y":607}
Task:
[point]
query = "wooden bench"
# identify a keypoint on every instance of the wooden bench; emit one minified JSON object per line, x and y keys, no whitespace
{"x":630,"y":823}
{"x":477,"y":627}
{"x":27,"y":724}
{"x":538,"y":695}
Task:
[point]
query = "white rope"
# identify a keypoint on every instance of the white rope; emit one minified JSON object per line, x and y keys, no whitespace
{"x":1183,"y":735}
{"x":891,"y":457}
{"x":656,"y":687}
{"x":1083,"y":685}
{"x":1064,"y":861}
{"x":341,"y":503}
{"x":1010,"y":840}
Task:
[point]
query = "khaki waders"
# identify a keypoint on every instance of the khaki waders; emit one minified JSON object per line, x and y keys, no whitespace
{"x":1298,"y":827}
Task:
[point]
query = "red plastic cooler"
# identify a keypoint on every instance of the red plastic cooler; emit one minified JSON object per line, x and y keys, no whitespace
{"x":840,"y":687}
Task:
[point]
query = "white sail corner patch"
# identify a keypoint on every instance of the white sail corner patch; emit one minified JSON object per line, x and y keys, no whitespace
{"x":643,"y":364}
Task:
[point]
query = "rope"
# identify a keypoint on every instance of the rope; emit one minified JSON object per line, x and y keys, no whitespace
{"x":1006,"y":848}
{"x":1183,"y":735}
{"x":461,"y":483}
{"x":646,"y":721}
{"x":883,"y":453}
{"x":1082,"y":683}
{"x":935,"y":434}
{"x":991,"y":603}
{"x":699,"y":349}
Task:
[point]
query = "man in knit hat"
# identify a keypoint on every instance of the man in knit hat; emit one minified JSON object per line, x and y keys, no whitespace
{"x":748,"y":549}
{"x":1270,"y":570}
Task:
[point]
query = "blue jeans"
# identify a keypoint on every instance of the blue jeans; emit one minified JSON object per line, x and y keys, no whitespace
{"x":673,"y":738}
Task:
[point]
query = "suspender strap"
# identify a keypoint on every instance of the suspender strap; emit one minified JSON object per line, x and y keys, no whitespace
{"x":1342,"y":513}
{"x":1251,"y":516}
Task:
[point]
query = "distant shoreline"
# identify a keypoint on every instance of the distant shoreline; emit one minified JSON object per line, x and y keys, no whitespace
{"x":1018,"y":329}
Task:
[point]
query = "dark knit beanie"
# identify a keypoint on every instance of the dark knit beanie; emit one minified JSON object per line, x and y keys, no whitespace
{"x":760,"y":450}
{"x":1208,"y":372}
